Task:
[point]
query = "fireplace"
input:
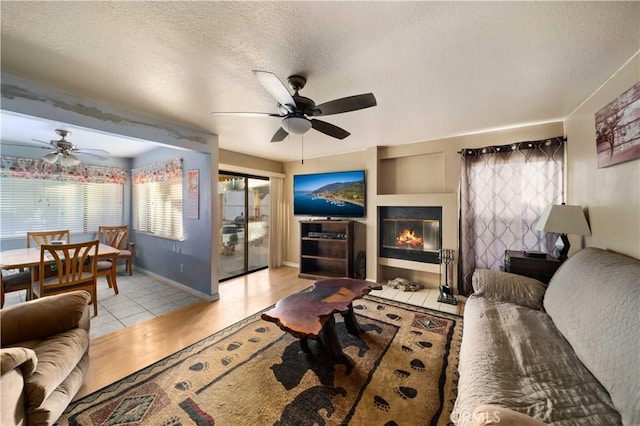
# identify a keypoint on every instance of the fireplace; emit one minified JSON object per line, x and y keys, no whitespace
{"x":411,"y":233}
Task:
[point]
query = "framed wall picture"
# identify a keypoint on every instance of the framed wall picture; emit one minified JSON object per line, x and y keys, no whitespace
{"x":618,"y":129}
{"x":193,"y":194}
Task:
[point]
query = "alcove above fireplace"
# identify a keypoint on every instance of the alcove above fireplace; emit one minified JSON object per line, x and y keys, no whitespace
{"x":410,"y":233}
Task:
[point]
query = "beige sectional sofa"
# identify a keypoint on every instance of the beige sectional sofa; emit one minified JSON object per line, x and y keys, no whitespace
{"x":568,"y":354}
{"x":45,"y":356}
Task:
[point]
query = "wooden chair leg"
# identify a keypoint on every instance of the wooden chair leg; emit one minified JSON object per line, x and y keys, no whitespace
{"x":113,"y":278}
{"x":129,"y":266}
{"x":114,"y":282}
{"x":95,"y":302}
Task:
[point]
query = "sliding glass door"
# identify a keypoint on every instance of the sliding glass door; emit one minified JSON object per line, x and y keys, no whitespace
{"x":244,"y":219}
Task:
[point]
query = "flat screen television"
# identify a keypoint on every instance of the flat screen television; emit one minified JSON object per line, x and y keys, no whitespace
{"x":332,"y":194}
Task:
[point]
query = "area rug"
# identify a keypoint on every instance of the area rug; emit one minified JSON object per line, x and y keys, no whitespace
{"x":253,"y":373}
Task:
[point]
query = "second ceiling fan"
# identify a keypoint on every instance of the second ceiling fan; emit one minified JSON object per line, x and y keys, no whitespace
{"x":295,"y":110}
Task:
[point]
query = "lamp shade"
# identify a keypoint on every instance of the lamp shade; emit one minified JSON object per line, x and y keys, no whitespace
{"x":51,"y":158}
{"x":70,"y":160}
{"x":296,"y":125}
{"x":563,"y":219}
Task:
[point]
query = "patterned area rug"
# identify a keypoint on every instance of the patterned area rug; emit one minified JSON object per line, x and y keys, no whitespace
{"x":252,"y":373}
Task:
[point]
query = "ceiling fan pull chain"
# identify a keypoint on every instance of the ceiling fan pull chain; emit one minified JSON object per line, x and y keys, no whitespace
{"x":302,"y":149}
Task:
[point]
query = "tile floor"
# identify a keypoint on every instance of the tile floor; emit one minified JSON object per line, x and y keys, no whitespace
{"x":425,"y":297}
{"x":141,"y":297}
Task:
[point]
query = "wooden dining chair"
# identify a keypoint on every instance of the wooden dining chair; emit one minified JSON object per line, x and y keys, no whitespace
{"x":72,"y":267}
{"x":108,"y":235}
{"x":39,"y":238}
{"x":17,"y":281}
{"x":107,"y":267}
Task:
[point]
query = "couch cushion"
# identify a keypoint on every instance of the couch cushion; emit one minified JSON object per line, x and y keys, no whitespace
{"x":12,"y":400}
{"x":53,"y":407}
{"x":593,"y":299}
{"x":42,"y":317}
{"x":506,"y":287}
{"x":513,"y":356}
{"x":57,"y":357}
{"x":23,"y":358}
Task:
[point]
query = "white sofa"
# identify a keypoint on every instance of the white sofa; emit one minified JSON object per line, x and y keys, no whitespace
{"x":568,"y":354}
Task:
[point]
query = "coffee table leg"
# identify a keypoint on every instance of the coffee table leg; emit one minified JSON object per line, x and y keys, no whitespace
{"x":329,"y":339}
{"x":351,"y":322}
{"x":304,"y":344}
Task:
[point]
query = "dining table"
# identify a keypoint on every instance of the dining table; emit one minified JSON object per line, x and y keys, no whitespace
{"x":30,"y":258}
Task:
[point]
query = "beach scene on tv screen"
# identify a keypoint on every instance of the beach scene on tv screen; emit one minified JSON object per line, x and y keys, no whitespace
{"x":330,"y":194}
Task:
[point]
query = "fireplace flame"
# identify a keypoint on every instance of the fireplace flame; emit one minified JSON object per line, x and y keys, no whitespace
{"x":408,"y":238}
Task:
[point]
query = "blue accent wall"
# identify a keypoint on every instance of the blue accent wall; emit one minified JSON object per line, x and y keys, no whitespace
{"x":163,"y":256}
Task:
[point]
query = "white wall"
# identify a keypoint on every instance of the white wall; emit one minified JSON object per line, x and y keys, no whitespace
{"x":610,"y":196}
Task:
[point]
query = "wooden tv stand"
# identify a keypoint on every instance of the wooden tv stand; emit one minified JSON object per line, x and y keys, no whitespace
{"x":326,"y":249}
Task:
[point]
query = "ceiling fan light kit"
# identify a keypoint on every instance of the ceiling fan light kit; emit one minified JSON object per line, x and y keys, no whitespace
{"x":296,"y":125}
{"x":70,"y":160}
{"x":295,"y":110}
{"x":51,"y":158}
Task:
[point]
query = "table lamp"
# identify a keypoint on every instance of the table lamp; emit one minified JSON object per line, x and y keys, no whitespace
{"x":563,"y":219}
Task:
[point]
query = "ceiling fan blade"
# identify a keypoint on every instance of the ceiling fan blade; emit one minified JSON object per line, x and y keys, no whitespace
{"x":49,"y":144}
{"x":49,"y":147}
{"x":278,"y":90}
{"x":88,"y":154}
{"x":279,"y":135}
{"x":247,"y":114}
{"x":329,"y":129}
{"x":350,"y":103}
{"x":91,"y":151}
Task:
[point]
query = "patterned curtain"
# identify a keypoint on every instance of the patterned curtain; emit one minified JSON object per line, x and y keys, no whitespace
{"x":158,"y":172}
{"x":503,"y":192}
{"x":27,"y":168}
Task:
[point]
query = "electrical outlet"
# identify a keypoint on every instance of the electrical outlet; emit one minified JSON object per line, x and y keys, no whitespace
{"x":181,"y":268}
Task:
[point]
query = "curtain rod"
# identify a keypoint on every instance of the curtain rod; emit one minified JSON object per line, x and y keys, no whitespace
{"x":562,"y":138}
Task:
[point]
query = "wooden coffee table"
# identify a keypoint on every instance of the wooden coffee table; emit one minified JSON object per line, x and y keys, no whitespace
{"x":309,"y":315}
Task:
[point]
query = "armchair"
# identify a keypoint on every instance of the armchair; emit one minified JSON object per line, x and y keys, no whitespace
{"x":45,"y":357}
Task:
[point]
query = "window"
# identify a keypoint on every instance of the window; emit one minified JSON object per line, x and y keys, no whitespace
{"x":37,"y":196}
{"x":157,"y":199}
{"x":503,"y":192}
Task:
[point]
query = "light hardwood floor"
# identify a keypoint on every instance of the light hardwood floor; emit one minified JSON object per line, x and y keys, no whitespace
{"x":118,"y":354}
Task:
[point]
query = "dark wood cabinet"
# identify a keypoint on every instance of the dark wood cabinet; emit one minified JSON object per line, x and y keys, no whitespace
{"x":326,"y":248}
{"x":540,"y":268}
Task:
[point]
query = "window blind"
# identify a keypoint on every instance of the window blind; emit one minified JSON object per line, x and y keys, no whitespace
{"x":157,"y":199}
{"x":39,"y":205}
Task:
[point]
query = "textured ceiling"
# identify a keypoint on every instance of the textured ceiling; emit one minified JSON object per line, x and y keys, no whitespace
{"x":437,"y":69}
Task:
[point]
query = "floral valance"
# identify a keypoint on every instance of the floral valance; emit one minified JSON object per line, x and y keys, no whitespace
{"x":28,"y":168}
{"x":158,"y":172}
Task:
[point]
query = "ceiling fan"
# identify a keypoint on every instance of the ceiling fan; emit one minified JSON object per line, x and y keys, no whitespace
{"x":64,"y":150}
{"x":295,"y":110}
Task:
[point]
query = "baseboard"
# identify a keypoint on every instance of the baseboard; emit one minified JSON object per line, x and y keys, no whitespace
{"x":180,"y":286}
{"x":293,"y":265}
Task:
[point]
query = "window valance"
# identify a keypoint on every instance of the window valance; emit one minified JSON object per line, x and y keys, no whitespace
{"x":28,"y":168}
{"x":541,"y":145}
{"x":158,"y":172}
